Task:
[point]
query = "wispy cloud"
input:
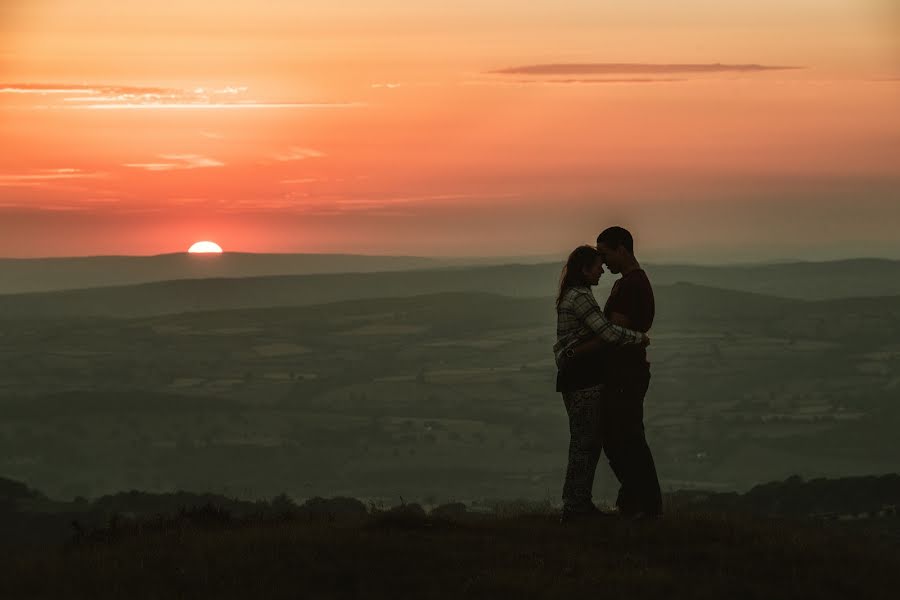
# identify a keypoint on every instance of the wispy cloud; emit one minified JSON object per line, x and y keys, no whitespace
{"x":105,"y":97}
{"x":388,"y":205}
{"x":84,"y":90}
{"x":176,"y":162}
{"x":215,"y":105}
{"x":634,"y":68}
{"x":297,"y":153}
{"x":18,"y":206}
{"x":42,"y":177}
{"x":585,"y":81}
{"x":301,"y":180}
{"x":393,"y":85}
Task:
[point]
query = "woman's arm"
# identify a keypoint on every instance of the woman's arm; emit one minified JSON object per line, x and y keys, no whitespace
{"x":589,"y":313}
{"x":596,"y":343}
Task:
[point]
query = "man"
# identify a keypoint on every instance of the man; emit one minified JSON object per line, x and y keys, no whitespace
{"x":631,"y":305}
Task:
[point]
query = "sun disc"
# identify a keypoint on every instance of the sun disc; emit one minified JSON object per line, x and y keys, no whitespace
{"x":205,"y":247}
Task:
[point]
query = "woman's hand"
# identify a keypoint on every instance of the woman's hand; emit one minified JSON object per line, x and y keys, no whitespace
{"x":586,"y":347}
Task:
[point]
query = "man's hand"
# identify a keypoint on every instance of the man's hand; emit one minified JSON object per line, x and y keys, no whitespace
{"x":588,"y":346}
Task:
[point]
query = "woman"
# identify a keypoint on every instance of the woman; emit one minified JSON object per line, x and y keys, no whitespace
{"x":580,"y":375}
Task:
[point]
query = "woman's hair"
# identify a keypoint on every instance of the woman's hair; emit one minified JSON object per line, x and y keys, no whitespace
{"x":582,"y":257}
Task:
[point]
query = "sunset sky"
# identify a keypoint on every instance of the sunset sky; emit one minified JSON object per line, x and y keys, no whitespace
{"x":743,"y":130}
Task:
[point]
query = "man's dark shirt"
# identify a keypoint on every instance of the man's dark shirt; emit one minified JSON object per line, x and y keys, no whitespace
{"x":631,"y":296}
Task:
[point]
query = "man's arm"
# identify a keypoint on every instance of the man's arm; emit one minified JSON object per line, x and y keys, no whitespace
{"x":619,"y":319}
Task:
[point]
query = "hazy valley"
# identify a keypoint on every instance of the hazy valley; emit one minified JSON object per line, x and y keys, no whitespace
{"x":433,"y":385}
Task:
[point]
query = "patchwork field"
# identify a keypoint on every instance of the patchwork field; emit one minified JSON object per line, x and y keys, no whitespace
{"x":445,"y":396}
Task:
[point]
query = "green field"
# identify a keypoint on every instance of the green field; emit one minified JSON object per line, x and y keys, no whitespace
{"x":449,"y":396}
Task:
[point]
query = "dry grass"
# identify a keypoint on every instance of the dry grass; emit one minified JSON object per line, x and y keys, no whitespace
{"x":410,"y":555}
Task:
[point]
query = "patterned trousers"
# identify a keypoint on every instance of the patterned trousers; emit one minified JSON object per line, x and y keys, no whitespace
{"x":585,"y":410}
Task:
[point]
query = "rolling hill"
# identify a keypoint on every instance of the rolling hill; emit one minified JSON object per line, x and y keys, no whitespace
{"x":801,"y":280}
{"x":807,"y":281}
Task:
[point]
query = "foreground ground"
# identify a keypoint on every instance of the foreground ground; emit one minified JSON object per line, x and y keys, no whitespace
{"x":386,"y":555}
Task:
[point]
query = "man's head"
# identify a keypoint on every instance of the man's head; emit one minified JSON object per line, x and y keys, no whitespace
{"x":616,"y":246}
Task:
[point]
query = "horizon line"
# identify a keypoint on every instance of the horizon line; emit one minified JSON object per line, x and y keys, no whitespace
{"x":545,"y":258}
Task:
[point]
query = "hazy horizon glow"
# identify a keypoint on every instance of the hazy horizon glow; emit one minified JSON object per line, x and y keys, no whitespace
{"x":752,"y":130}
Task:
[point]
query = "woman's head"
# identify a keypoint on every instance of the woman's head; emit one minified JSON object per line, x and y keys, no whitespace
{"x":583,"y":267}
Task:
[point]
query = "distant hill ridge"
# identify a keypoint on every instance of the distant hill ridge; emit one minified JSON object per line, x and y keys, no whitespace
{"x":707,"y":286}
{"x":22,"y":275}
{"x":802,"y":280}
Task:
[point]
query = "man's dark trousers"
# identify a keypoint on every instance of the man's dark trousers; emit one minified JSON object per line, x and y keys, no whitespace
{"x":626,"y":446}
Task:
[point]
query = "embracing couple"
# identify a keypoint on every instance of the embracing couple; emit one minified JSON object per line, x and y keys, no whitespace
{"x":603,"y":375}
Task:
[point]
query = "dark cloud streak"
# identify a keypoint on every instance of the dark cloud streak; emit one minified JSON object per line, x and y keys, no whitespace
{"x":634,"y":69}
{"x":595,"y":80}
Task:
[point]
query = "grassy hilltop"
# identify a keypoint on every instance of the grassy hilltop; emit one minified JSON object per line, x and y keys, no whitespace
{"x":410,"y":555}
{"x":790,"y":539}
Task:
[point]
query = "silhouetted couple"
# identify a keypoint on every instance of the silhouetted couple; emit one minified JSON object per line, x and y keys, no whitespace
{"x":603,"y":375}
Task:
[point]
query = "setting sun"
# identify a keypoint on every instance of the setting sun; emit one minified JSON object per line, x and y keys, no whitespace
{"x":205,"y":248}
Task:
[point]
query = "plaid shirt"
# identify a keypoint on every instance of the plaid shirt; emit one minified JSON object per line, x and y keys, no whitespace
{"x":579,"y":317}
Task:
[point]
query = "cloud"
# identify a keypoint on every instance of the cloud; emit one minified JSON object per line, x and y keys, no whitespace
{"x":44,"y":207}
{"x":586,"y":81}
{"x":83,"y":90}
{"x":216,"y":105}
{"x":633,"y":69}
{"x":178,"y":162}
{"x":392,"y":85}
{"x":105,"y":97}
{"x":303,"y":203}
{"x":301,"y":180}
{"x":43,"y":177}
{"x":298,"y":153}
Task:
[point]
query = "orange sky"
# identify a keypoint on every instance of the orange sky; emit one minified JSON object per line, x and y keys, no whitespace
{"x":483,"y":128}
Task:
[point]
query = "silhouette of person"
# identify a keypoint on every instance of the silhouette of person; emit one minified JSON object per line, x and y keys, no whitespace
{"x":580,"y":323}
{"x":630,"y":304}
